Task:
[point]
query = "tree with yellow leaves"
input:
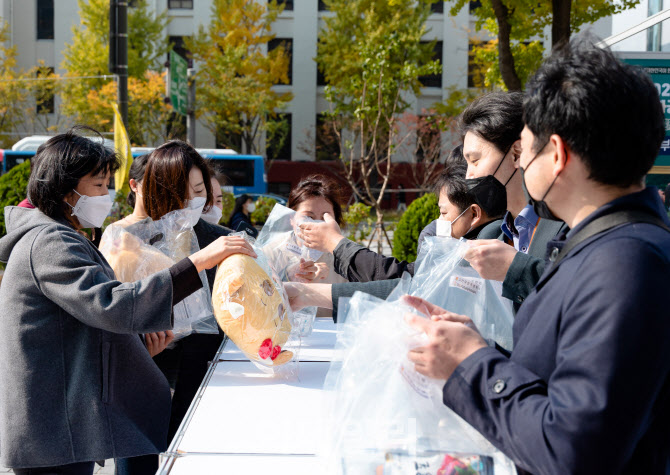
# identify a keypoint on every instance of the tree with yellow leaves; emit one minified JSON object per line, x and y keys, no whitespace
{"x":13,"y":94}
{"x":236,"y":73}
{"x":88,"y":100}
{"x":519,"y":27}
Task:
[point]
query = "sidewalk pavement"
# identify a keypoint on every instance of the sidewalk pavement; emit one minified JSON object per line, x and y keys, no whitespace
{"x":108,"y":469}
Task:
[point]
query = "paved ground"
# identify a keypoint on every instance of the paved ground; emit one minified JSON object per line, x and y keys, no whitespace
{"x":108,"y":469}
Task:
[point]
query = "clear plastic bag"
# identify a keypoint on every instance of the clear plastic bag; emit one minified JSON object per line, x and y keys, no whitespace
{"x":252,"y":308}
{"x":285,"y":251}
{"x":149,"y":246}
{"x":380,"y":408}
{"x":445,"y":279}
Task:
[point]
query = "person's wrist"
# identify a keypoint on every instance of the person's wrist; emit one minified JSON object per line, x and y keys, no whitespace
{"x":333,"y":242}
{"x":198,"y":260}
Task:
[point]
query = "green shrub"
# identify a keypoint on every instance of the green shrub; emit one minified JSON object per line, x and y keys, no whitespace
{"x":418,"y":215}
{"x":228,"y":205}
{"x":264,"y":206}
{"x":358,"y":221}
{"x":13,"y":185}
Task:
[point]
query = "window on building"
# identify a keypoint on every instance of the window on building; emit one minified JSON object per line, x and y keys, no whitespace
{"x":45,"y":19}
{"x":433,"y":80}
{"x":474,"y":5}
{"x":327,"y":145}
{"x":322,"y":6}
{"x":44,"y":97}
{"x":179,"y":46}
{"x":278,"y":138}
{"x":228,"y":140}
{"x":428,"y":138}
{"x":183,"y":4}
{"x":288,"y":4}
{"x":437,"y":7}
{"x":320,"y":77}
{"x":287,"y":43}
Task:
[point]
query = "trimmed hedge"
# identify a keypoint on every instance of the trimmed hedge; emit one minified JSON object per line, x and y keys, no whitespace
{"x":418,"y":215}
{"x":13,"y":185}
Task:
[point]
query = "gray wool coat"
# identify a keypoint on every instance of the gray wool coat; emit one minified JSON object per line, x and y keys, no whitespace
{"x":76,"y":382}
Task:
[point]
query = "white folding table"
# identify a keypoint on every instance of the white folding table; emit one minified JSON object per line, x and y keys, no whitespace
{"x":244,"y":421}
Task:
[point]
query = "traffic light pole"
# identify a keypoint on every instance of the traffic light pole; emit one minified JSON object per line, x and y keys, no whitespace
{"x":190,"y":117}
{"x":118,"y":52}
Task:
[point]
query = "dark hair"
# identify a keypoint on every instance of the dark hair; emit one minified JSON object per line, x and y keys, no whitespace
{"x":165,"y":184}
{"x":136,"y":173}
{"x":451,"y":180}
{"x":318,"y":186}
{"x":456,"y":160}
{"x":497,"y":117}
{"x":59,"y":165}
{"x":239,"y":203}
{"x":607,"y":112}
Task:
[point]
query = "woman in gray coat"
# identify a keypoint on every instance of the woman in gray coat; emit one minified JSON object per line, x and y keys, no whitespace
{"x":76,"y":382}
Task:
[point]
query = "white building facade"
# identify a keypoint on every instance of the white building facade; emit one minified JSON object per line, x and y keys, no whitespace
{"x":41,"y":29}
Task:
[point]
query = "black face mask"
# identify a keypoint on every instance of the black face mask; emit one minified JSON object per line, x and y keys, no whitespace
{"x":489,"y":194}
{"x":540,"y":206}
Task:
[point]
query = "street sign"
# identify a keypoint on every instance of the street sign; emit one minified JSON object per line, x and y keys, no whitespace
{"x":178,"y":83}
{"x":657,"y":65}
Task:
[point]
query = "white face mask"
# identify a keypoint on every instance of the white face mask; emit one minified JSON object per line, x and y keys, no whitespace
{"x":443,"y":228}
{"x":194,"y":209}
{"x":91,"y":211}
{"x":213,"y":216}
{"x":251,"y":208}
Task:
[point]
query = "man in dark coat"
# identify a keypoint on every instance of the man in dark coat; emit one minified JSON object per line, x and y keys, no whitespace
{"x":587,"y":386}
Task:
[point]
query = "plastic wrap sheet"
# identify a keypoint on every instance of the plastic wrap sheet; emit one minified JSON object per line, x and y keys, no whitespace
{"x":147,"y":247}
{"x":252,"y":308}
{"x":385,"y":414}
{"x":285,"y":251}
{"x":445,"y":279}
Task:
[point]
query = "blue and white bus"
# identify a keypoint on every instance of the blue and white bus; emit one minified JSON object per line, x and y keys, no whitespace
{"x":246,"y":173}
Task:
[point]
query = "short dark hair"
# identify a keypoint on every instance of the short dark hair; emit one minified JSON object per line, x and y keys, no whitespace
{"x":497,"y":117}
{"x":136,"y":173}
{"x":607,"y":112}
{"x":318,"y":186}
{"x":61,"y":162}
{"x":451,"y":181}
{"x":165,"y":183}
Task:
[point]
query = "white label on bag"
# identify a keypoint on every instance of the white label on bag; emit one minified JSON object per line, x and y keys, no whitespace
{"x":418,"y":382}
{"x":236,"y":310}
{"x":469,"y":284}
{"x":293,"y":248}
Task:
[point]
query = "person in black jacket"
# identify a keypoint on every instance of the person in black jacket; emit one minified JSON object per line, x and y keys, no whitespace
{"x":466,"y":208}
{"x":491,"y":127}
{"x":587,"y":385}
{"x":175,"y":174}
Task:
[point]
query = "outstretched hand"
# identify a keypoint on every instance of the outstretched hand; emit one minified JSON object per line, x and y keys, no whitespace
{"x":324,"y":236}
{"x":451,"y":339}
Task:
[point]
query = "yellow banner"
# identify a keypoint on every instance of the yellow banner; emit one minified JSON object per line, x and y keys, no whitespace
{"x":122,"y":146}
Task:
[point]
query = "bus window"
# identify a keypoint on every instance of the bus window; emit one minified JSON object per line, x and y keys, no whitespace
{"x":239,"y":172}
